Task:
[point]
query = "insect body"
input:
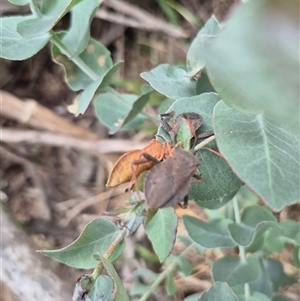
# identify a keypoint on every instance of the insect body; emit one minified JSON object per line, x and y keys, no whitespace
{"x":167,"y":183}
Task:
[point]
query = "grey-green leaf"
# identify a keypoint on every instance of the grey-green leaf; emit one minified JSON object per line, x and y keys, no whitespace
{"x":212,"y":234}
{"x":19,"y":2}
{"x":97,"y":236}
{"x":254,"y":63}
{"x":171,"y":81}
{"x":119,"y":292}
{"x":263,"y":152}
{"x":164,"y":223}
{"x":234,"y":271}
{"x":195,"y":59}
{"x":117,"y":110}
{"x":52,"y":12}
{"x":103,"y":287}
{"x":219,"y":291}
{"x":14,"y":46}
{"x":96,"y":56}
{"x":78,"y":35}
{"x":255,"y":222}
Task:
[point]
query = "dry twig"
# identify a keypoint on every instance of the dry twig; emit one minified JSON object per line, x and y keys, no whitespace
{"x":138,"y":18}
{"x":103,"y":146}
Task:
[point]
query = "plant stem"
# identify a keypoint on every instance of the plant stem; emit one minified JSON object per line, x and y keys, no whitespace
{"x":204,"y":143}
{"x":164,"y":274}
{"x":90,"y":281}
{"x":76,"y":60}
{"x":241,"y":248}
{"x":97,"y":272}
{"x":35,"y":9}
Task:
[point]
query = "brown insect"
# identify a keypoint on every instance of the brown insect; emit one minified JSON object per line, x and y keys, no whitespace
{"x":167,"y":183}
{"x":171,"y":167}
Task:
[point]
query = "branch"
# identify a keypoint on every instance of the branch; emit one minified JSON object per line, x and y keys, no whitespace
{"x":138,"y":18}
{"x":33,"y":114}
{"x":102,"y":146}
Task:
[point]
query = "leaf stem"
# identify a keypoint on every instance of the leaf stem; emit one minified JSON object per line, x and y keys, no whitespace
{"x":164,"y":274}
{"x":241,"y":248}
{"x":204,"y":143}
{"x":35,"y":9}
{"x":98,"y":270}
{"x":76,"y":60}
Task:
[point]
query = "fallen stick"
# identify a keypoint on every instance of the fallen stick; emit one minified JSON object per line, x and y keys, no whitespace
{"x":102,"y":146}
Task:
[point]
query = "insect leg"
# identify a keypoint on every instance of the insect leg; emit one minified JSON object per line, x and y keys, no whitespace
{"x":146,"y":158}
{"x":166,"y":126}
{"x":185,"y":202}
{"x":213,"y":151}
{"x":205,"y":135}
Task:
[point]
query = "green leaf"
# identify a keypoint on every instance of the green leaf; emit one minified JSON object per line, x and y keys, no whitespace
{"x":171,"y":81}
{"x":212,"y":234}
{"x":232,"y":270}
{"x":219,"y":181}
{"x":87,"y":95}
{"x":96,"y":56}
{"x":203,"y":84}
{"x":275,"y":272}
{"x":52,"y":12}
{"x":119,"y":292}
{"x":254,"y":67}
{"x":107,"y":77}
{"x":270,"y":149}
{"x":256,"y":296}
{"x":165,"y":105}
{"x":170,"y":285}
{"x":97,"y":236}
{"x":216,"y":204}
{"x":165,"y":223}
{"x":184,"y":266}
{"x":188,"y":241}
{"x":255,"y":221}
{"x":137,"y":108}
{"x":219,"y":291}
{"x":195,"y":55}
{"x":274,"y":241}
{"x":19,"y":2}
{"x":117,"y":110}
{"x":14,"y":46}
{"x":271,"y":277}
{"x":146,"y":254}
{"x":296,"y":256}
{"x":103,"y":287}
{"x":78,"y":36}
{"x":288,"y":232}
{"x":291,"y":229}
